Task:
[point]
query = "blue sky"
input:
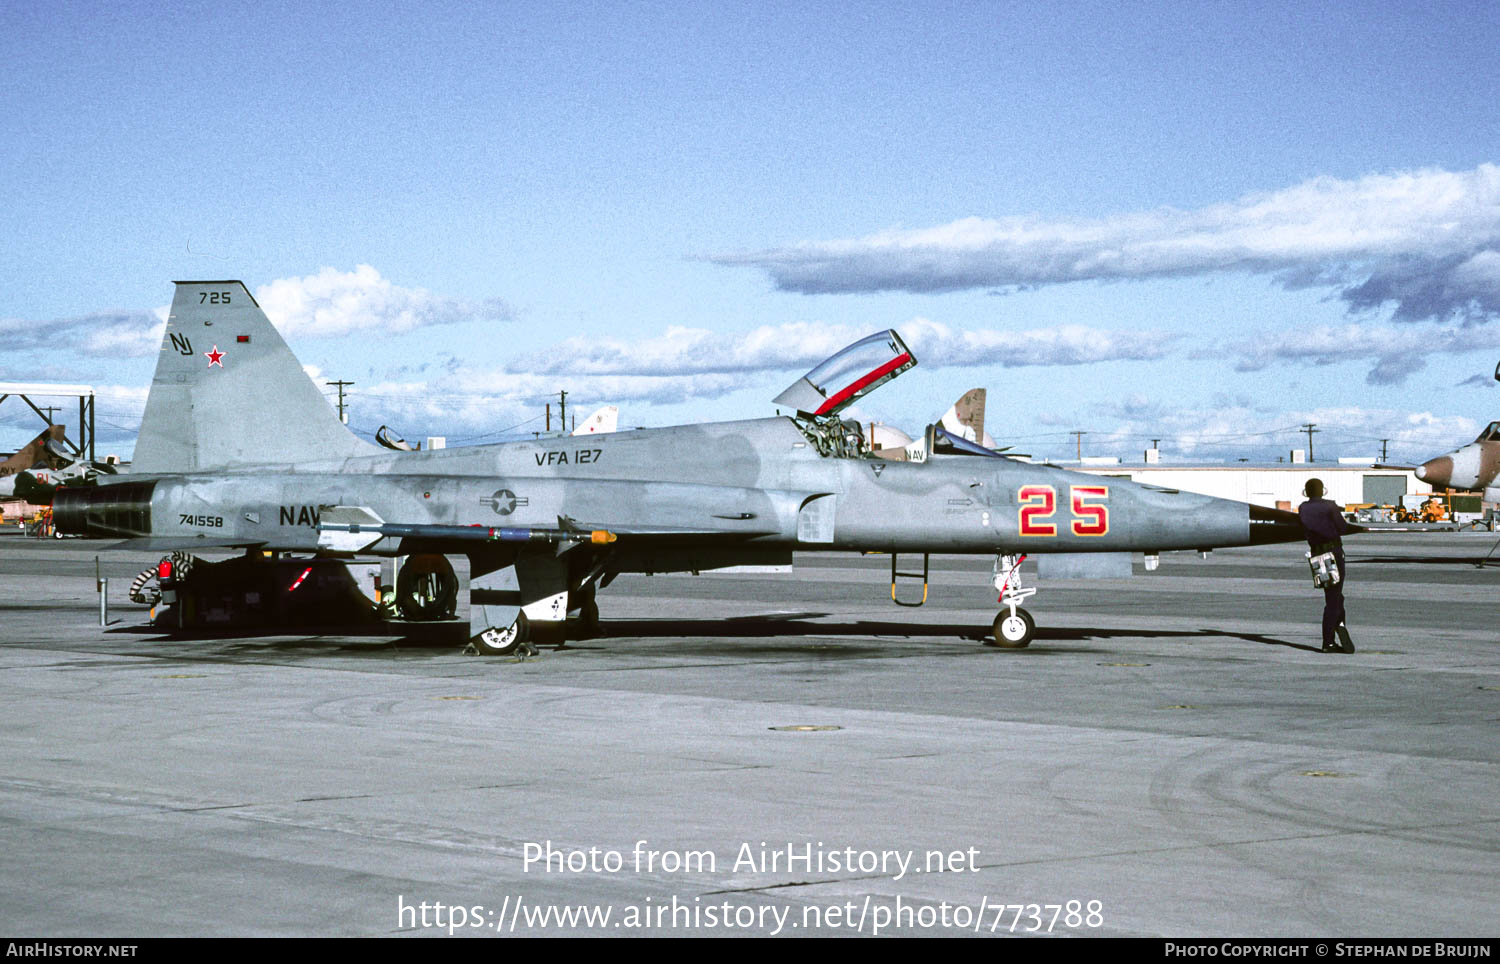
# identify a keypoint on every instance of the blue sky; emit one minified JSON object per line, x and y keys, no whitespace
{"x":1207,"y":223}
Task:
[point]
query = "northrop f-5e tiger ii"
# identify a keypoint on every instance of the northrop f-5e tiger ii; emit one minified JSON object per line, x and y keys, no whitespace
{"x":238,"y":449}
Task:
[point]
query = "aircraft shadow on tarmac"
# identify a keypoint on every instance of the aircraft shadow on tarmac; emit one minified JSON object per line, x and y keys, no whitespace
{"x":1455,"y":561}
{"x":447,"y":633}
{"x":800,"y":635}
{"x":791,"y":625}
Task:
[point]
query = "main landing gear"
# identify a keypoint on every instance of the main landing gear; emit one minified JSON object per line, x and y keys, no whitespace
{"x":513,"y":639}
{"x":520,"y":637}
{"x":1014,"y":627}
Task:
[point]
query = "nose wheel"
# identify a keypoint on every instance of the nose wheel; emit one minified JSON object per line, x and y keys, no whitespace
{"x":1014,"y":627}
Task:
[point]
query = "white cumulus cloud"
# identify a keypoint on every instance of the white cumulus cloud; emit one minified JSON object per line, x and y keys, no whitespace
{"x":1397,"y":350}
{"x":1426,"y":241}
{"x":334,"y":302}
{"x":685,"y":364}
{"x":103,"y":334}
{"x":799,"y":346}
{"x":329,"y":303}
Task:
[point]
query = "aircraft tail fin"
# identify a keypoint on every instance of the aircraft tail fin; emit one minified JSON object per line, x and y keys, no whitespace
{"x":604,"y":420}
{"x":228,"y":391}
{"x":966,"y":418}
{"x":35,"y":452}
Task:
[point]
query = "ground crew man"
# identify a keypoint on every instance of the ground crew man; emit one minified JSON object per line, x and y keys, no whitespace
{"x":1324,"y":523}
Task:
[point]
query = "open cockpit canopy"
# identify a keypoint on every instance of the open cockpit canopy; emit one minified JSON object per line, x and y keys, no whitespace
{"x":849,"y":374}
{"x":1490,"y":434}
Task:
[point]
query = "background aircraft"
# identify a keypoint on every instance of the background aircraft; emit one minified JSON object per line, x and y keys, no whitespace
{"x":32,"y":456}
{"x":45,"y":463}
{"x":239,"y":449}
{"x":1471,"y":467}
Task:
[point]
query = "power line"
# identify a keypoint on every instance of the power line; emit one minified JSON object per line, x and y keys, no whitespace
{"x":340,"y":384}
{"x":512,"y":428}
{"x":1311,"y":428}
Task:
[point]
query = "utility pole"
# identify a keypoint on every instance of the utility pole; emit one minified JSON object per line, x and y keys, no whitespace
{"x":340,"y":384}
{"x":1080,"y":436}
{"x":1383,"y":443}
{"x":1310,"y":428}
{"x":562,"y":410}
{"x":50,"y":409}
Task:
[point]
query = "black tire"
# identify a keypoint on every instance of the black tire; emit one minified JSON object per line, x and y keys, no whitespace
{"x":426,"y":589}
{"x":1013,"y":632}
{"x":503,"y":642}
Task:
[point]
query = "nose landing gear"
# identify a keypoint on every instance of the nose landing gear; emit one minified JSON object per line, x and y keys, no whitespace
{"x":1014,"y":627}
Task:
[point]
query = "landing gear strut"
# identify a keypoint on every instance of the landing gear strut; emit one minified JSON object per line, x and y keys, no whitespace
{"x":588,"y":617}
{"x":519,"y":599}
{"x":1014,"y":627}
{"x":584,"y":610}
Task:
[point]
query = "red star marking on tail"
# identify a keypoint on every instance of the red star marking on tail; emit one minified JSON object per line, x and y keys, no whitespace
{"x":215,"y":357}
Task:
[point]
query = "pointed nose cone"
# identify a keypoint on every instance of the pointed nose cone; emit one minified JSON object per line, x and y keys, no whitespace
{"x":1438,"y":471}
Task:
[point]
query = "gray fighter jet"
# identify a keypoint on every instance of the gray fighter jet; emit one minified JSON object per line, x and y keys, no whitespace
{"x":239,"y":449}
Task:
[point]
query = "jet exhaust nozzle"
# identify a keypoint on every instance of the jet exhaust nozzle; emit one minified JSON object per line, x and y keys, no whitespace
{"x":122,"y":510}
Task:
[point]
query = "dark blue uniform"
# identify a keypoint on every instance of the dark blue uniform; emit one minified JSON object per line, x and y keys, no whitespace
{"x":1324,"y":523}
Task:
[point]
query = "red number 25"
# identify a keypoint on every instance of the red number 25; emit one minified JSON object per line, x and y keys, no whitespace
{"x":1039,"y":505}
